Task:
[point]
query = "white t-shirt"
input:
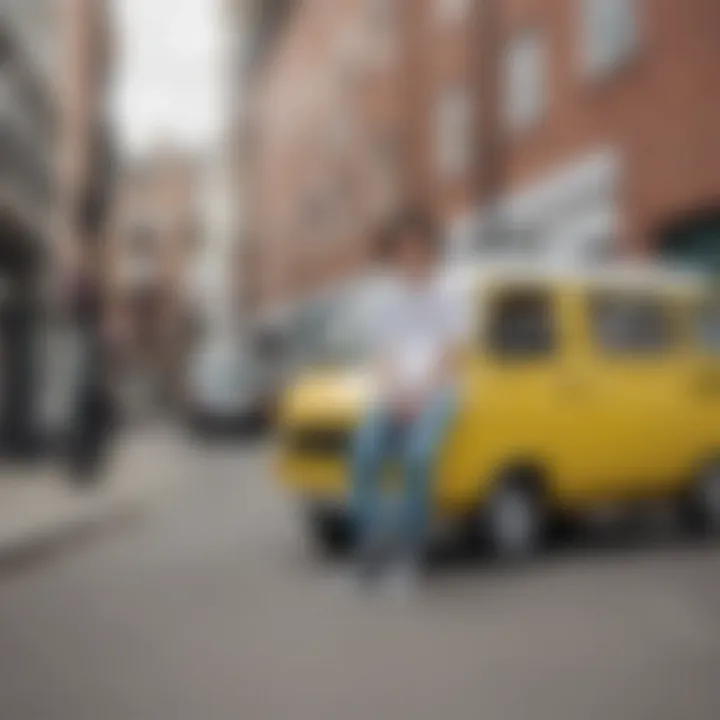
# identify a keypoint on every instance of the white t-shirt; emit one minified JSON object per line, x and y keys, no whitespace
{"x":414,"y":326}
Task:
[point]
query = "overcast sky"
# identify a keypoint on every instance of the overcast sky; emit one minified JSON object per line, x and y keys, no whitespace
{"x":167,"y":84}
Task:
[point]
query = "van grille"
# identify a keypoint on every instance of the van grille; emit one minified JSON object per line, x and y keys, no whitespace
{"x":322,"y":442}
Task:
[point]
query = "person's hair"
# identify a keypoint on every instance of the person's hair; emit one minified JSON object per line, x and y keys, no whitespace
{"x":412,"y":223}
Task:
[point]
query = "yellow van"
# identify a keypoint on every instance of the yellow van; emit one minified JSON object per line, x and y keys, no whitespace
{"x":578,"y":391}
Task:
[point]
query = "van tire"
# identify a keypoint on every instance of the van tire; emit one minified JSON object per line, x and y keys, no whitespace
{"x":513,"y":518}
{"x":330,"y":532}
{"x":700,"y":505}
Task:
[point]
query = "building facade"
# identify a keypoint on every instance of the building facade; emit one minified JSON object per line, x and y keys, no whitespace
{"x":571,"y":130}
{"x":603,"y":132}
{"x":325,"y":147}
{"x":27,"y":127}
{"x":55,"y":180}
{"x":85,"y":151}
{"x":83,"y":169}
{"x":152,"y":249}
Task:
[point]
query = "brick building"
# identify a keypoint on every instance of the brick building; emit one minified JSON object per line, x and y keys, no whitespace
{"x":83,"y":169}
{"x":85,"y":165}
{"x":325,"y":147}
{"x":598,"y":131}
{"x":55,"y":180}
{"x":151,"y":250}
{"x":561,"y":128}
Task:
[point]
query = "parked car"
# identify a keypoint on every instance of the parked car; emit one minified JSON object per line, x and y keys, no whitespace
{"x":227,"y":390}
{"x":579,"y":390}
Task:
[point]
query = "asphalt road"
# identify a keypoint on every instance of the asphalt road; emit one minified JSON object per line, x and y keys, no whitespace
{"x":206,"y":606}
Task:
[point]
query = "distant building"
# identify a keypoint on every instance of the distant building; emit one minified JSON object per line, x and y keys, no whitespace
{"x":239,"y":37}
{"x":224,"y":191}
{"x":152,"y":249}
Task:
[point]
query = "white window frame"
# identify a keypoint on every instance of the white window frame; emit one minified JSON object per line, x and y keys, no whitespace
{"x":525,"y":79}
{"x":609,"y":35}
{"x":452,"y":12}
{"x":383,"y":14}
{"x":453,"y":131}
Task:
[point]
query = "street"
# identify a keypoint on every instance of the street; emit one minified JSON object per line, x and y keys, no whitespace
{"x":205,"y":604}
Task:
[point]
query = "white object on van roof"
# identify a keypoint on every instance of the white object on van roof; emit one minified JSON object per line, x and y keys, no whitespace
{"x":630,"y":275}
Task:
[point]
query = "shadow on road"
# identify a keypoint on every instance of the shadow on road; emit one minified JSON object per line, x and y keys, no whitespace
{"x":585,"y":544}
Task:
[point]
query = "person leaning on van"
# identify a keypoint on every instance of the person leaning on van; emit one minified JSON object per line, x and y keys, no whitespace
{"x":579,"y":389}
{"x":416,"y":335}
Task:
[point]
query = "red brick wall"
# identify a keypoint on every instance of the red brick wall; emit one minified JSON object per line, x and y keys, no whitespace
{"x":660,"y":112}
{"x":323,"y":163}
{"x":437,"y":55}
{"x":661,"y":109}
{"x":85,"y":53}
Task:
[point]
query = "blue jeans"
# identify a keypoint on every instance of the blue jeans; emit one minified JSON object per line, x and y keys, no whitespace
{"x":381,"y":438}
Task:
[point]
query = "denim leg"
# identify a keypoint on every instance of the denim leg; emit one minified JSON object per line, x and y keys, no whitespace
{"x":370,"y":448}
{"x":423,"y":443}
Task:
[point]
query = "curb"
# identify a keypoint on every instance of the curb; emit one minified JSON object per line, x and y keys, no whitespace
{"x":92,"y":515}
{"x":81,"y":511}
{"x":50,"y":536}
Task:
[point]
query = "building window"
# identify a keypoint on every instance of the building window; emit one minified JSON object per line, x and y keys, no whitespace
{"x":609,"y":33}
{"x":453,"y":131}
{"x":452,"y":12}
{"x":382,"y":14}
{"x":693,"y":242}
{"x":525,"y":78}
{"x":382,"y":30}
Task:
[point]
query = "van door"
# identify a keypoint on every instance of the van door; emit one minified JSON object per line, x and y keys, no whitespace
{"x":512,"y":411}
{"x":633,"y":412}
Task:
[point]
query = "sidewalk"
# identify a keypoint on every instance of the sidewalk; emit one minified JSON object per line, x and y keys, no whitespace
{"x":38,"y":506}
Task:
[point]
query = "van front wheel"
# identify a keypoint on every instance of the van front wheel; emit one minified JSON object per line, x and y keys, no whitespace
{"x":512,"y":520}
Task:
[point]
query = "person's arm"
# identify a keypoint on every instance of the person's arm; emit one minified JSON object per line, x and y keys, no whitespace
{"x":387,"y":386}
{"x":449,"y":364}
{"x":379,"y":330}
{"x":382,"y":376}
{"x":456,"y":331}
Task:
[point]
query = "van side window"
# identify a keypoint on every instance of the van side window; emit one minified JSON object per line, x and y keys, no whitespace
{"x":631,"y":325}
{"x":522,"y":324}
{"x":707,"y":327}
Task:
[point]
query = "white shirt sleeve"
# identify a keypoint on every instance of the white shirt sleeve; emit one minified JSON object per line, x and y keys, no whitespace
{"x":458,"y":317}
{"x":382,"y":323}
